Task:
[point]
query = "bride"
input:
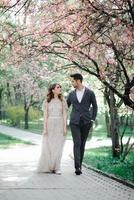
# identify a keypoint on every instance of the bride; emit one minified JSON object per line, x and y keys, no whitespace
{"x":54,"y":131}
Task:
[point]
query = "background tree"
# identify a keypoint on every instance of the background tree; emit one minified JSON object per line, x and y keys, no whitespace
{"x":92,"y":35}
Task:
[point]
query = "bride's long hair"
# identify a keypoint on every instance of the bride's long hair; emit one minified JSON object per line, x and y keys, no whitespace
{"x":50,"y":94}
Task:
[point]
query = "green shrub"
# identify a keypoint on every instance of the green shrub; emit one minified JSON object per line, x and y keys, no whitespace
{"x":15,"y":115}
{"x":34,"y":114}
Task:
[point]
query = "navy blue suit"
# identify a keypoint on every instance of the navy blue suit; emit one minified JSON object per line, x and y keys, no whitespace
{"x":81,"y":121}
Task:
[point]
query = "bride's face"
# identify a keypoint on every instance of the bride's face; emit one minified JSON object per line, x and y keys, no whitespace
{"x":57,"y":89}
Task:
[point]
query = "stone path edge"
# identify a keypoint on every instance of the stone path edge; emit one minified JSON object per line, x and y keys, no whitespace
{"x":129,"y":184}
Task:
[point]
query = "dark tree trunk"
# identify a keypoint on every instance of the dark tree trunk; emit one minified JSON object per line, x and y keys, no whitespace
{"x":127,"y":100}
{"x":114,"y":126}
{"x":26,"y":109}
{"x":107,"y":120}
{"x":17,"y":94}
{"x":9,"y":99}
{"x":26,"y":118}
{"x":107,"y":117}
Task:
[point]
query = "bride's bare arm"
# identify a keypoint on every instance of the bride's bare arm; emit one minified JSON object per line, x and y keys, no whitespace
{"x":65,"y":116}
{"x":45,"y":131}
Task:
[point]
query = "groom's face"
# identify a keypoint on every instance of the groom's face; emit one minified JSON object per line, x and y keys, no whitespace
{"x":74,"y":83}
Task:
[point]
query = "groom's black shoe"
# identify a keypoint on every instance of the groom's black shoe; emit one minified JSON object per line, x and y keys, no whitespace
{"x":78,"y":171}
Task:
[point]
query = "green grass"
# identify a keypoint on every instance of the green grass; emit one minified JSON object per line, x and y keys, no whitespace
{"x":101,"y":158}
{"x":99,"y":129}
{"x":35,"y":127}
{"x":7,"y":141}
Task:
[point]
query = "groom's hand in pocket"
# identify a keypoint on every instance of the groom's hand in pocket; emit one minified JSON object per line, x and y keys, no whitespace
{"x":92,"y":122}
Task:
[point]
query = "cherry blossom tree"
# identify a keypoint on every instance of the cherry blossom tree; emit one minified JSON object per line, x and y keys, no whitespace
{"x":95,"y":36}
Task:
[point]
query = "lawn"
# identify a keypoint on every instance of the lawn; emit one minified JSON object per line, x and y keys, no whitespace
{"x":99,"y":130}
{"x":101,"y":158}
{"x":7,"y":141}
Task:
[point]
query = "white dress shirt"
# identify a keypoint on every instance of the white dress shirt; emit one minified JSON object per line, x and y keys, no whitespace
{"x":79,"y":94}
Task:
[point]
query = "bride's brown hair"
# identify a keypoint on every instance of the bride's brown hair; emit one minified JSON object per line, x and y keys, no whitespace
{"x":50,"y":94}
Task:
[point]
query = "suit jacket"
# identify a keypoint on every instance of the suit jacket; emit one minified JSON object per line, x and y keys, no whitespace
{"x":82,"y":110}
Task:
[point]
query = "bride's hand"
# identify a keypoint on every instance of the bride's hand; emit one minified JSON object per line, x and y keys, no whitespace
{"x":45,"y":133}
{"x":65,"y":130}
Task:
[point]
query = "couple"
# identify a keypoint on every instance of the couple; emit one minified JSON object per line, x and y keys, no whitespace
{"x":55,"y":126}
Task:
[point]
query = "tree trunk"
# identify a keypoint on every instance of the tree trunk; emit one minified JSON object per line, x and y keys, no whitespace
{"x":114,"y":126}
{"x":107,"y":117}
{"x":17,"y":94}
{"x":26,"y":109}
{"x":26,"y":117}
{"x":107,"y":120}
{"x":9,"y":99}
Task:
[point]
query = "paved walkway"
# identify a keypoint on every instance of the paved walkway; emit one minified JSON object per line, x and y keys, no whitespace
{"x":19,"y":180}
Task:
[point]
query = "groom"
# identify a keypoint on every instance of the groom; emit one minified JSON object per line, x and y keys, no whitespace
{"x":81,"y":120}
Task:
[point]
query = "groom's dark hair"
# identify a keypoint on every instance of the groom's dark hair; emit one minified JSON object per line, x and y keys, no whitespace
{"x":77,"y":76}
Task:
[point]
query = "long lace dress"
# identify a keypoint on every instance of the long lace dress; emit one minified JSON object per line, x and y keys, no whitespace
{"x":53,"y":141}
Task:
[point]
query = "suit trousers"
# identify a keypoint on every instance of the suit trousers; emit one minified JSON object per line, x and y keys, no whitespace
{"x":79,"y":133}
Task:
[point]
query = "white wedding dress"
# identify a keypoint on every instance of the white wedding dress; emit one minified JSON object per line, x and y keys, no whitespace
{"x":53,"y":141}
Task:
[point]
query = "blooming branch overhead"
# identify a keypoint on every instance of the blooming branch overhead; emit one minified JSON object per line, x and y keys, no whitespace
{"x":96,"y":36}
